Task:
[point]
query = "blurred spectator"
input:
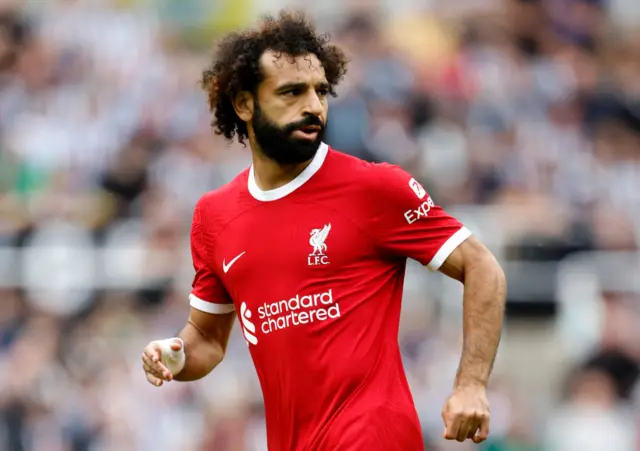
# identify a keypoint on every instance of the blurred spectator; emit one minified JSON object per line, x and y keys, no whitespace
{"x":592,"y":418}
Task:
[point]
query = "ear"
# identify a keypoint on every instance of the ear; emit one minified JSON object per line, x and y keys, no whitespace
{"x":243,"y":104}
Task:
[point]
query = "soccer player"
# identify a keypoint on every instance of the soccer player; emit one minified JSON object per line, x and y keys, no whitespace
{"x":308,"y":248}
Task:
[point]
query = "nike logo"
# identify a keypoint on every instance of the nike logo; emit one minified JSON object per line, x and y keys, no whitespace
{"x":225,"y":267}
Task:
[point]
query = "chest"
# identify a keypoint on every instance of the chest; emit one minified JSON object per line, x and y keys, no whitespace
{"x":277,"y":251}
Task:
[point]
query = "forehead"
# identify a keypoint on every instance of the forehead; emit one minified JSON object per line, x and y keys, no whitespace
{"x":279,"y":68}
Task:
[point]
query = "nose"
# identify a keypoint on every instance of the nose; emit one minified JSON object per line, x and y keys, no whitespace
{"x":314,"y":105}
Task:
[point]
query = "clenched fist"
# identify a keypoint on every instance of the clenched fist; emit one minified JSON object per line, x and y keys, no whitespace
{"x":163,"y":359}
{"x":466,"y":415}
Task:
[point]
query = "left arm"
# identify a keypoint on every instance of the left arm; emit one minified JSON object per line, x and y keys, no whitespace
{"x":408,"y":223}
{"x":483,"y":308}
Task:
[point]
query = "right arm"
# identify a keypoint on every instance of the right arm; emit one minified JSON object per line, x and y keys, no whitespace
{"x":205,"y":338}
{"x":206,"y":335}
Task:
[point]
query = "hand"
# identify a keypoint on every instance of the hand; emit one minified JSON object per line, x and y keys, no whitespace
{"x":163,"y":359}
{"x":466,"y":415}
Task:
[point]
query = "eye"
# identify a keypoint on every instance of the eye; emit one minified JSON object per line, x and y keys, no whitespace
{"x":292,"y":92}
{"x":323,"y":92}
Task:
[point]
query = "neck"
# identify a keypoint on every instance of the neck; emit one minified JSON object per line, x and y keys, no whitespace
{"x":270,"y":174}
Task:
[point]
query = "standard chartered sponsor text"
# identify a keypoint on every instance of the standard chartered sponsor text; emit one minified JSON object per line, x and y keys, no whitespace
{"x":298,"y":310}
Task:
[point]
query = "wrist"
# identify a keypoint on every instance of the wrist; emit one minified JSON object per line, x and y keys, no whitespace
{"x":465,"y":383}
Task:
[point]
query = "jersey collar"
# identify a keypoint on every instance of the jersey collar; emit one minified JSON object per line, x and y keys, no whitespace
{"x":285,"y":190}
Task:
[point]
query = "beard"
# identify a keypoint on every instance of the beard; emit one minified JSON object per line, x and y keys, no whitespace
{"x":279,"y":144}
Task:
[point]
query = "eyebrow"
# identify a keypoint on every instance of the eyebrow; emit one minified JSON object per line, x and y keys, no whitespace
{"x":300,"y":85}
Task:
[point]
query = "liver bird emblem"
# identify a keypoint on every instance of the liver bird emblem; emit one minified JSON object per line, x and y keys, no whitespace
{"x":317,"y":240}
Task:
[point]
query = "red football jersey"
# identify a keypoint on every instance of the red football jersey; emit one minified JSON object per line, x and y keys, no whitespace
{"x":315,"y":269}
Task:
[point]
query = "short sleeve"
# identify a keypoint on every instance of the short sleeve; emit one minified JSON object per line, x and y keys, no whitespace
{"x":208,"y":293}
{"x":408,"y":223}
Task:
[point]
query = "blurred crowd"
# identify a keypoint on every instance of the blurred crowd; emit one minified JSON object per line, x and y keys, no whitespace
{"x":522,"y":115}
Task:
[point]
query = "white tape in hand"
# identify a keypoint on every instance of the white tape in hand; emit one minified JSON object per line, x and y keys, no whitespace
{"x":173,"y":360}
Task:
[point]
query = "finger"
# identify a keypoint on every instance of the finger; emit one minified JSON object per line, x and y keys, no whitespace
{"x":463,"y":430}
{"x":451,"y":426}
{"x":153,"y":380}
{"x":159,"y":366}
{"x":150,"y":370}
{"x":146,"y":360}
{"x":176,"y":345}
{"x":149,"y":365}
{"x":158,"y":369}
{"x":483,"y":432}
{"x":473,"y":430}
{"x":474,"y":425}
{"x":153,"y":352}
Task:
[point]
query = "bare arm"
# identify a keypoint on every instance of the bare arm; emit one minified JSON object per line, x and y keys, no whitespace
{"x":205,"y":339}
{"x":484,"y":297}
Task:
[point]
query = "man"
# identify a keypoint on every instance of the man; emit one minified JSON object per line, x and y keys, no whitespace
{"x":309,"y":245}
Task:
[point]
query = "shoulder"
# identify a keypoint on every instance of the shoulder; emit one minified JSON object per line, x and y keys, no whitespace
{"x":393,"y":182}
{"x":215,"y":208}
{"x":378,"y":179}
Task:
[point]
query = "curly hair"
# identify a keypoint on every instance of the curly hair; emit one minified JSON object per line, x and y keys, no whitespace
{"x":236,"y":66}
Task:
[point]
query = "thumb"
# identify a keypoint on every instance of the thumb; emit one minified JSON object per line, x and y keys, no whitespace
{"x":177,"y":345}
{"x":173,"y":354}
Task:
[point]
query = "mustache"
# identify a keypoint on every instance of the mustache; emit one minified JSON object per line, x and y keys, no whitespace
{"x":308,"y":121}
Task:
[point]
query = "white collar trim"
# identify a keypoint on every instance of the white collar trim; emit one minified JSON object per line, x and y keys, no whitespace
{"x":288,"y":188}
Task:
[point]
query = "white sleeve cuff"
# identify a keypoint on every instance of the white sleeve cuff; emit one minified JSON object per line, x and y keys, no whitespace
{"x":447,"y":248}
{"x":210,"y":307}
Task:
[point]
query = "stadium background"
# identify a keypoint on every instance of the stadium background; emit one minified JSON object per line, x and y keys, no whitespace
{"x":521,"y":117}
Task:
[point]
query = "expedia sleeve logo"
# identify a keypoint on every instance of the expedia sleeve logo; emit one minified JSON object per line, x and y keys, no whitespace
{"x":422,"y":211}
{"x":417,"y":188}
